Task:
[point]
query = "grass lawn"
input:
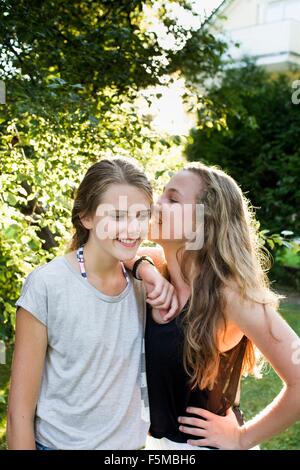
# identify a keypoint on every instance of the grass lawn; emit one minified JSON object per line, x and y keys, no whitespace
{"x":256,"y":394}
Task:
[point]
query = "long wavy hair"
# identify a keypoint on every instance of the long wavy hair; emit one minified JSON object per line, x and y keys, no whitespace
{"x":96,"y":181}
{"x":231,"y":252}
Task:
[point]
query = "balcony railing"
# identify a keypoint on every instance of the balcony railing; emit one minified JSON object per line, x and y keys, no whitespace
{"x":269,"y":43}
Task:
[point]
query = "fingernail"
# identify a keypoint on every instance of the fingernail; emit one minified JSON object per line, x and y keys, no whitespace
{"x":179,"y":419}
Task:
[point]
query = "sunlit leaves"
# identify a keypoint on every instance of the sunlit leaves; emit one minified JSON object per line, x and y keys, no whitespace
{"x":73,"y":71}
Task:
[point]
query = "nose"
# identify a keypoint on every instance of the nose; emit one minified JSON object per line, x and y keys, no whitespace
{"x":134,"y":228}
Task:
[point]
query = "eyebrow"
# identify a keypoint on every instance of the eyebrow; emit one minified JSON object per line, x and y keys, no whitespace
{"x":174,"y":190}
{"x":120,"y":211}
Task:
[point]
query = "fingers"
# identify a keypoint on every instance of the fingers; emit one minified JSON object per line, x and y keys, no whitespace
{"x":200,"y":412}
{"x":167,"y":303}
{"x":160,"y":299}
{"x":157,"y":290}
{"x":200,"y":443}
{"x":194,"y":431}
{"x":157,"y":316}
{"x":196,"y":422}
{"x":173,"y":308}
{"x":164,"y":299}
{"x":162,"y":314}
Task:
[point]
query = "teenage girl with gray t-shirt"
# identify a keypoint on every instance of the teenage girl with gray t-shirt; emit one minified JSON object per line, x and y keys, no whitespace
{"x":78,"y":376}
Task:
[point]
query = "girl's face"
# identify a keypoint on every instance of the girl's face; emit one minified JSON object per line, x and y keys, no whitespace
{"x":174,"y":217}
{"x":121,"y":221}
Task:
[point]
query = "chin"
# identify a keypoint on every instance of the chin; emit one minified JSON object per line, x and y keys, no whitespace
{"x":125,"y":254}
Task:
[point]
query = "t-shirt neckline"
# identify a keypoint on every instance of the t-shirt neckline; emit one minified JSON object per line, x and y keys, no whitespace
{"x":94,"y":290}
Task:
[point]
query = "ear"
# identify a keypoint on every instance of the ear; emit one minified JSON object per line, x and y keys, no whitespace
{"x":87,"y":221}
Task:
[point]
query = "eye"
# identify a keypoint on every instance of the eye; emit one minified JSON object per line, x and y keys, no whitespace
{"x":144,"y":215}
{"x":172,"y":200}
{"x":118,"y":216}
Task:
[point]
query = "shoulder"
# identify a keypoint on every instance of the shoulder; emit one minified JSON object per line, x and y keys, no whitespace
{"x":253,"y":306}
{"x":43,"y":276}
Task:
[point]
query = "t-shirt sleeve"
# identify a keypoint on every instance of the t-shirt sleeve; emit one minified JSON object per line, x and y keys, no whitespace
{"x":33,"y":296}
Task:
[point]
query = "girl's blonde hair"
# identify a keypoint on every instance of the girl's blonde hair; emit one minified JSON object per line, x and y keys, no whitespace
{"x":96,"y":181}
{"x":231,"y":252}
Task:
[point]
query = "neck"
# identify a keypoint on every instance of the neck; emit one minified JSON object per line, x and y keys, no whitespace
{"x":97,"y":261}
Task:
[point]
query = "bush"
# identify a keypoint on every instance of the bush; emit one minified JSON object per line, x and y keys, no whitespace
{"x":254,"y":134}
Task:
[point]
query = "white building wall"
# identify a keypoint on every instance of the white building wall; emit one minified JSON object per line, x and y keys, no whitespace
{"x":242,"y":13}
{"x":268,"y":30}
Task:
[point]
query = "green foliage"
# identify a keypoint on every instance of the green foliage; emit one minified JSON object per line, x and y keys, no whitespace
{"x":290,"y":254}
{"x":286,"y":270}
{"x":258,"y":393}
{"x":73,"y":72}
{"x":252,"y":130}
{"x":275,"y":241}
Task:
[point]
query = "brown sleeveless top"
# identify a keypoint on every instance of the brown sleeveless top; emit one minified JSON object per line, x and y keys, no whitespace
{"x":168,"y":383}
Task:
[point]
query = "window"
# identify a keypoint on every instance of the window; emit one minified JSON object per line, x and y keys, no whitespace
{"x":275,"y":11}
{"x":292,"y":10}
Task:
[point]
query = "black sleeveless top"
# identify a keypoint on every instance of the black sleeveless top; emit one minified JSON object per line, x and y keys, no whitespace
{"x":168,"y":383}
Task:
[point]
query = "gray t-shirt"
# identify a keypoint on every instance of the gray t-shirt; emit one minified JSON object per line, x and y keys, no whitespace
{"x":93,"y":393}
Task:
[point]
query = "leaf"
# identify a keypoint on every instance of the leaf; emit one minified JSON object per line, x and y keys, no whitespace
{"x":22,"y":191}
{"x":41,"y":166}
{"x":93,"y":120}
{"x":12,"y":231}
{"x":287,"y":244}
{"x":11,"y":199}
{"x":78,"y":85}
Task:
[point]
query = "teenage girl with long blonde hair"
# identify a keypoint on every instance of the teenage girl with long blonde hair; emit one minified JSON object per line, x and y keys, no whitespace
{"x":227,"y":310}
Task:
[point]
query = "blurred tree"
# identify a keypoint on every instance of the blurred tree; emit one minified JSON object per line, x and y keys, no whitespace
{"x":73,"y":71}
{"x":252,"y":130}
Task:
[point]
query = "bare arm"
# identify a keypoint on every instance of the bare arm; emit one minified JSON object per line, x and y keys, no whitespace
{"x":156,"y":253}
{"x":278,"y":343}
{"x":161,"y":294}
{"x":27,"y":368}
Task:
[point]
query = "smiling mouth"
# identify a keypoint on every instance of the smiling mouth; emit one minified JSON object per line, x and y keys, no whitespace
{"x":128,"y":242}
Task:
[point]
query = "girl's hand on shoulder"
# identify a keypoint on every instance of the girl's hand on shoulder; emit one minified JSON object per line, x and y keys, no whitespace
{"x":161,"y":295}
